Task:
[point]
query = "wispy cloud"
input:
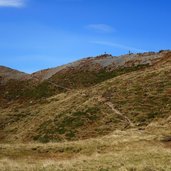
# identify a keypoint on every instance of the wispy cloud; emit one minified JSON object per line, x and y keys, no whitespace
{"x":12,"y":3}
{"x":119,"y":46}
{"x":101,"y":28}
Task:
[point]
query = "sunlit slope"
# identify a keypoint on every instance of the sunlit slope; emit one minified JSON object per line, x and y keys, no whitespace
{"x":139,"y":97}
{"x":16,"y":86}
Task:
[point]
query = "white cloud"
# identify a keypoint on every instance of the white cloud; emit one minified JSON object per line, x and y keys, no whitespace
{"x":101,"y":28}
{"x":12,"y":3}
{"x":119,"y":46}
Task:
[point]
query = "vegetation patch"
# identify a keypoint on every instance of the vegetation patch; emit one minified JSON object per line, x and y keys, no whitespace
{"x":78,"y":79}
{"x":67,"y":125}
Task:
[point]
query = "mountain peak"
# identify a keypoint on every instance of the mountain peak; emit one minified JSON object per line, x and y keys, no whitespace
{"x":7,"y":73}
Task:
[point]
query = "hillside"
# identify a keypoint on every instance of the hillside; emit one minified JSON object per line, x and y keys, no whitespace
{"x":7,"y":74}
{"x":105,"y":62}
{"x":105,"y":120}
{"x":132,"y":99}
{"x":77,"y":75}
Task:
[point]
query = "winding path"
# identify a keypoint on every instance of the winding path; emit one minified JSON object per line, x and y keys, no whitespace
{"x":111,"y":106}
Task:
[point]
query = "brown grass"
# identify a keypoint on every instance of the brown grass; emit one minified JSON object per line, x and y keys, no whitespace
{"x":121,"y":150}
{"x":141,"y":96}
{"x":80,"y":132}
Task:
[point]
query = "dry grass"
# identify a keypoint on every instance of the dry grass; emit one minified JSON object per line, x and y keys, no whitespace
{"x":142,"y":96}
{"x":102,"y":142}
{"x":121,"y":150}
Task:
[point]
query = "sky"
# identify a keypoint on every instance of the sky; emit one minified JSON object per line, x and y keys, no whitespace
{"x":39,"y":34}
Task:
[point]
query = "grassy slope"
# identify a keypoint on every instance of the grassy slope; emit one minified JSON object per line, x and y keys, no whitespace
{"x":24,"y":91}
{"x":143,"y":96}
{"x":78,"y":78}
{"x":130,"y":150}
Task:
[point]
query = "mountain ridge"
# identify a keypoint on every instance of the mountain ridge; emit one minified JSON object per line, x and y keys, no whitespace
{"x":7,"y":73}
{"x":134,"y":97}
{"x":102,"y":61}
{"x":77,"y":75}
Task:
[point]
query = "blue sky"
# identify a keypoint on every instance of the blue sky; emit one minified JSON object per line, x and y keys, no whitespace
{"x":38,"y":34}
